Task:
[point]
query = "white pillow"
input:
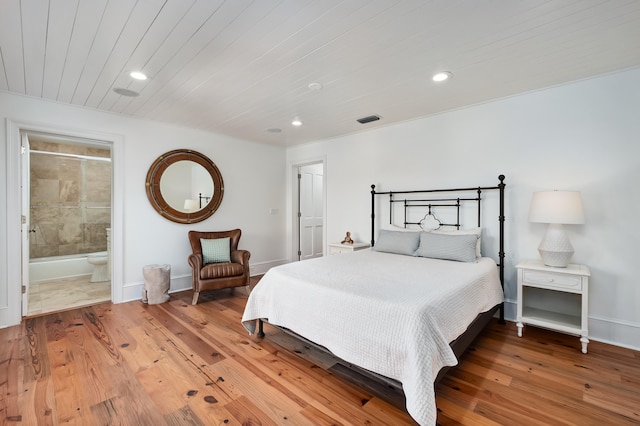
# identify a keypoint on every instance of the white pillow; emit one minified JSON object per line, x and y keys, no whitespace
{"x":443,"y":230}
{"x":470,"y":231}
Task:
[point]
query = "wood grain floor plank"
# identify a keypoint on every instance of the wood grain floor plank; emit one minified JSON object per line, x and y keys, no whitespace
{"x":270,"y":396}
{"x":132,"y":406}
{"x":71,"y":404}
{"x":319,"y":417}
{"x":36,"y":344}
{"x":384,"y":413}
{"x":190,"y":339}
{"x":236,"y":349}
{"x":489,"y":394}
{"x":179,"y":364}
{"x":315,"y":385}
{"x":247,"y":413}
{"x":613,"y":400}
{"x":39,"y":403}
{"x":462,"y":416}
{"x":157,"y":385}
{"x":90,"y":352}
{"x":183,"y":376}
{"x":184,"y":417}
{"x":11,"y":365}
{"x":546,"y":365}
{"x":38,"y":390}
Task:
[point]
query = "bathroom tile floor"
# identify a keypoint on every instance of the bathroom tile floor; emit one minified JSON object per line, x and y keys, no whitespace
{"x":61,"y":294}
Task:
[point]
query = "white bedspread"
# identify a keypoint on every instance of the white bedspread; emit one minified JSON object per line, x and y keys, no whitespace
{"x":391,"y":314}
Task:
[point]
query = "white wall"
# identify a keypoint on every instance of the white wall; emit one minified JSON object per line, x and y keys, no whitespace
{"x":582,"y":136}
{"x":254,"y":178}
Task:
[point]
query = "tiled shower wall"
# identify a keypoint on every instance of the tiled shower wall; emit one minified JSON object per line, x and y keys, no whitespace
{"x":70,"y":200}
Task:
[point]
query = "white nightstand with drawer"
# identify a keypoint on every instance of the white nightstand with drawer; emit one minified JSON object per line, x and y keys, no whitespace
{"x":336,"y":248}
{"x":572,"y":279}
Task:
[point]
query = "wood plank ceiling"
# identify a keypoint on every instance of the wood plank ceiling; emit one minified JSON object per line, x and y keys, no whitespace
{"x":243,"y":68}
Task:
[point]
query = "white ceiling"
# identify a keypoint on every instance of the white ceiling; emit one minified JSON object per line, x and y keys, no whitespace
{"x":241,"y":67}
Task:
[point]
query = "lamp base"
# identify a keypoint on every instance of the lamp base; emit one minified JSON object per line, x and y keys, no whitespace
{"x":557,"y":259}
{"x":555,"y":248}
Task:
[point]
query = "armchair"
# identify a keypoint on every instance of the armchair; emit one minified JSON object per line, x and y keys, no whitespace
{"x":219,"y":275}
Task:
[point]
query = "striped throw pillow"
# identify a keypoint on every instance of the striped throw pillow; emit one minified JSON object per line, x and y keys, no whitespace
{"x":461,"y":248}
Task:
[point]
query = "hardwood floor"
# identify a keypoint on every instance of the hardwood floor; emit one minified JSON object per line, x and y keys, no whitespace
{"x":178,"y":364}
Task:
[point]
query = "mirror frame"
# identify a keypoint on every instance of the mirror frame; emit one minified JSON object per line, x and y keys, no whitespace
{"x":160,"y":204}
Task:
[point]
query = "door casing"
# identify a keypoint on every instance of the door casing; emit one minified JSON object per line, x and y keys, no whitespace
{"x":294,"y":241}
{"x":12,"y":313}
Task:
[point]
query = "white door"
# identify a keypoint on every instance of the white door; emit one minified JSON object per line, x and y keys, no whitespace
{"x":311,"y":211}
{"x":24,"y":204}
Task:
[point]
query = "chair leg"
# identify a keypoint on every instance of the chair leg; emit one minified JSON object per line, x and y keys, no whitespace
{"x":195,"y":297}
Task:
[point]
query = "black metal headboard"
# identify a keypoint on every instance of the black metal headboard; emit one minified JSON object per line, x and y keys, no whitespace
{"x":445,"y":198}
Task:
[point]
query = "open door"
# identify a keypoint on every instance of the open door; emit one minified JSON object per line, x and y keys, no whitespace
{"x":25,"y":227}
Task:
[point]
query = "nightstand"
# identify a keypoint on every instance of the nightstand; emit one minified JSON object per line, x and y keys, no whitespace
{"x":572,"y":279}
{"x":337,"y":248}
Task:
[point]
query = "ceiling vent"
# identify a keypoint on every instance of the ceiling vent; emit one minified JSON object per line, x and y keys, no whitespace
{"x":126,"y":92}
{"x":369,"y":119}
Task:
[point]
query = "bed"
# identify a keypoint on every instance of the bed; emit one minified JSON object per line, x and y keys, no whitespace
{"x":406,"y":308}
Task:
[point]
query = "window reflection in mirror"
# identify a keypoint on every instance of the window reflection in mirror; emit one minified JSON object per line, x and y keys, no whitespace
{"x":186,"y":186}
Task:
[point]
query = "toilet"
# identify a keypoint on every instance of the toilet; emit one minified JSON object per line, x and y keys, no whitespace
{"x":99,"y":261}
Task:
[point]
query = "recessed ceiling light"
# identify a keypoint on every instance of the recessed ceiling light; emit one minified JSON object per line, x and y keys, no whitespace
{"x":315,"y":86}
{"x":274,"y":130}
{"x":296,"y":123}
{"x":442,"y":76}
{"x":138,"y":75}
{"x":126,"y":92}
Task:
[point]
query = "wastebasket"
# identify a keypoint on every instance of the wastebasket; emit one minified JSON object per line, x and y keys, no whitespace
{"x":157,"y":280}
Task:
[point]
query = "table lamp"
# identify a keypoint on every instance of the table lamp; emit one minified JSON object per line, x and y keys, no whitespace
{"x":556,"y":208}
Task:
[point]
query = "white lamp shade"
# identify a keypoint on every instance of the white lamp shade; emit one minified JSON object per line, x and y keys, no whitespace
{"x":190,"y":205}
{"x":564,"y":207}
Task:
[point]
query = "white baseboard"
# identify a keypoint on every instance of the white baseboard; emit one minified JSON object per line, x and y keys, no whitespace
{"x":131,"y":292}
{"x":134,"y":291}
{"x":510,"y":310}
{"x":181,"y":283}
{"x":263,"y":267}
{"x":4,"y":317}
{"x":614,"y":332}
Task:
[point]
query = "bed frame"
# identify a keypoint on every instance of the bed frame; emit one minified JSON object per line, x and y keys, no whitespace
{"x":432,"y":200}
{"x":437,"y":199}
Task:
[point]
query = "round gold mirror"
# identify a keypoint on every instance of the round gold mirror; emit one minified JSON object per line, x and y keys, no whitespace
{"x":184,"y":186}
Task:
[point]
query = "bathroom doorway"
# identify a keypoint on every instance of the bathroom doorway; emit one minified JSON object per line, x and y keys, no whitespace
{"x":66,"y":190}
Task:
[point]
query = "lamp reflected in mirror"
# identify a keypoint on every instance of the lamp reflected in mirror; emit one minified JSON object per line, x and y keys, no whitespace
{"x":190,"y":205}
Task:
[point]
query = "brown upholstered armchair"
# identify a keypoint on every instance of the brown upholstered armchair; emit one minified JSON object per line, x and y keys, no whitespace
{"x":215,"y":276}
